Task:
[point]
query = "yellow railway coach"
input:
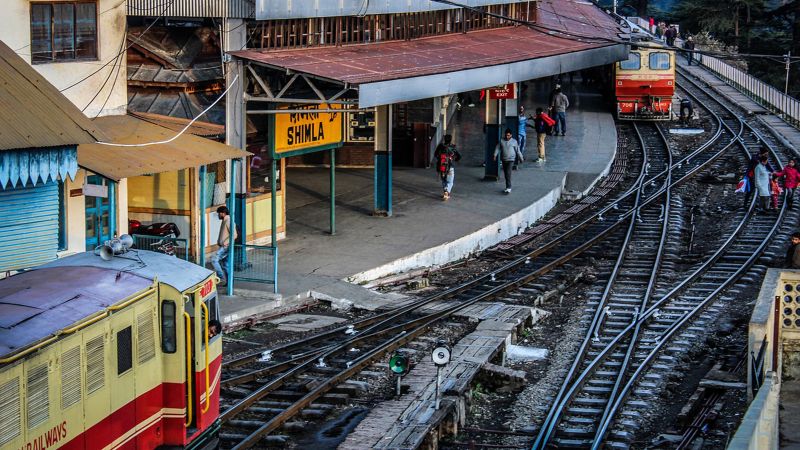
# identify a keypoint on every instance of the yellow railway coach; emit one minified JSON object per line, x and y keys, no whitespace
{"x":109,"y":354}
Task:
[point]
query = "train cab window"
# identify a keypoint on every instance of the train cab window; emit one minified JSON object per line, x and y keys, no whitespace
{"x":213,"y":311}
{"x":659,"y":61}
{"x":634,"y":62}
{"x":168,"y":331}
{"x":124,"y":350}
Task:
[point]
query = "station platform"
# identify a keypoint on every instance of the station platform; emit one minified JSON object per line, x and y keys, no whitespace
{"x":425,"y":231}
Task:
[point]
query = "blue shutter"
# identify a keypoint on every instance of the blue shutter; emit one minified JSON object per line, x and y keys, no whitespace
{"x":28,"y":226}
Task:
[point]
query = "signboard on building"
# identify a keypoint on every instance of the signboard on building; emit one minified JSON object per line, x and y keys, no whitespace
{"x":503,"y":92}
{"x":304,"y":132}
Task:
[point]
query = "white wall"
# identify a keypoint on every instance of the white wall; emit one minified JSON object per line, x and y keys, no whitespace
{"x":15,"y":31}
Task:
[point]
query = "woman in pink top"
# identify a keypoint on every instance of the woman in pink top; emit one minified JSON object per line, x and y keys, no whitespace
{"x":791,"y":178}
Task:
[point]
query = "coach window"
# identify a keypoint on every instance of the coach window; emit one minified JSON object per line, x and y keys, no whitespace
{"x":634,"y":62}
{"x":124,"y":350}
{"x":168,"y":331}
{"x":659,"y":61}
{"x":63,"y":31}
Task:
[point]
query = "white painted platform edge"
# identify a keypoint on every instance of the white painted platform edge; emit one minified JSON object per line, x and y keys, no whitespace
{"x":482,"y":239}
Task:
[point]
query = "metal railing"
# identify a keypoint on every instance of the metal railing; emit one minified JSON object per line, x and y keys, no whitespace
{"x":256,"y":263}
{"x":758,"y":367}
{"x":167,"y":245}
{"x":761,"y":92}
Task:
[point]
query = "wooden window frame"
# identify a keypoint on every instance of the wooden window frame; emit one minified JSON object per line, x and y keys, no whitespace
{"x":53,"y":59}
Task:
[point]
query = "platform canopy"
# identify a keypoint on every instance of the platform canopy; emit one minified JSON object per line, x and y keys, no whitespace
{"x":116,"y":163}
{"x":567,"y":36}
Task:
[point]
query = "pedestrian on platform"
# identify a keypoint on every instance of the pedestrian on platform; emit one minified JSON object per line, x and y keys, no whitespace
{"x":762,"y":178}
{"x":689,"y":47}
{"x":508,"y":150}
{"x":522,"y":133}
{"x":791,"y":178}
{"x":670,"y":35}
{"x":652,"y":26}
{"x":551,"y":102}
{"x":543,"y":124}
{"x":444,"y":159}
{"x":793,"y":252}
{"x":560,"y":105}
{"x":224,"y":240}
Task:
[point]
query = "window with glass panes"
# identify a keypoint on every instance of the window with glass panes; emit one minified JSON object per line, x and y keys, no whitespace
{"x":63,"y":31}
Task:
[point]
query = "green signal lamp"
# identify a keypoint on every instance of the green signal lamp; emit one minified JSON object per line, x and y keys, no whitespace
{"x":398,"y":364}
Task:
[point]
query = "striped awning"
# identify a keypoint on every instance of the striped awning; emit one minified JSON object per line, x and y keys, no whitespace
{"x":34,"y":166}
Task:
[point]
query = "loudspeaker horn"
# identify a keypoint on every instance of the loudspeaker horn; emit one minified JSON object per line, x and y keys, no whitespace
{"x":106,"y":253}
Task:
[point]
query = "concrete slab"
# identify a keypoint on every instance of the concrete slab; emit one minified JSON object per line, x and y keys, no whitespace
{"x":305,"y":322}
{"x":425,"y":231}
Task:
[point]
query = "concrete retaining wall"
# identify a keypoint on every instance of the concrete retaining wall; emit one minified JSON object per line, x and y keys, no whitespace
{"x":759,"y":428}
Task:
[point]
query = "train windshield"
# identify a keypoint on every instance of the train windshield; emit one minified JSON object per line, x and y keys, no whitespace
{"x":634,"y":62}
{"x":659,"y":61}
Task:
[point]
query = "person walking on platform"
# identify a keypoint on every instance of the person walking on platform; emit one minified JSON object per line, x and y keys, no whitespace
{"x":543,"y":124}
{"x":762,"y":177}
{"x":689,"y":47}
{"x":522,"y":133}
{"x":227,"y":236}
{"x":508,"y":150}
{"x":560,"y":105}
{"x":793,"y":252}
{"x":791,"y":178}
{"x":444,"y":159}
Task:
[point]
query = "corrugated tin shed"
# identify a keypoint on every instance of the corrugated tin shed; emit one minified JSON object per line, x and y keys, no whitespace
{"x":33,"y":113}
{"x":116,"y":163}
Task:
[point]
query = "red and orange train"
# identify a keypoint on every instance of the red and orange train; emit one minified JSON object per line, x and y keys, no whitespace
{"x":116,"y":354}
{"x":645,"y":83}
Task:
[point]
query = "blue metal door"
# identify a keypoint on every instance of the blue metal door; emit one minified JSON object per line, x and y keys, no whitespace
{"x":28,"y":225}
{"x":98,"y":228}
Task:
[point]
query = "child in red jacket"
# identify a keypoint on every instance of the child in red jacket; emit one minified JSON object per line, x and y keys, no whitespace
{"x":791,"y":178}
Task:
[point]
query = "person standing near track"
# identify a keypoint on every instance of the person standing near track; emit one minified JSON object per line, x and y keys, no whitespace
{"x":762,"y":177}
{"x":543,"y":124}
{"x":791,"y":178}
{"x":751,"y":171}
{"x":689,"y":47}
{"x":793,"y":252}
{"x":508,"y":150}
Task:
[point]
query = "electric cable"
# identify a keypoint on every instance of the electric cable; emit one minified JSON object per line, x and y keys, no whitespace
{"x":167,"y":141}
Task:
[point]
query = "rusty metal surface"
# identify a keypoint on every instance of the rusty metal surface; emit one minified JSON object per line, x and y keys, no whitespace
{"x":117,"y":163}
{"x":37,"y":304}
{"x":33,"y":113}
{"x":369,"y":63}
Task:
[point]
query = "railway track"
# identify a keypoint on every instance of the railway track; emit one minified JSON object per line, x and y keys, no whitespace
{"x":327,"y":360}
{"x":592,"y":398}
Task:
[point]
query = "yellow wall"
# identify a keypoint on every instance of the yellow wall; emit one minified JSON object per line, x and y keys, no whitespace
{"x":161,"y":191}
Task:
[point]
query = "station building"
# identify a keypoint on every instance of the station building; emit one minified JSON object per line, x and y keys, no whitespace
{"x":77,"y":53}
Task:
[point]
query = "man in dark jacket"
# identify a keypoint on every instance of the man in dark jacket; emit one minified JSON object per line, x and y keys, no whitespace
{"x":689,"y":47}
{"x":793,"y":253}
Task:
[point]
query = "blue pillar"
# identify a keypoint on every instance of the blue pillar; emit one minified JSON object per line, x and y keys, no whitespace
{"x":201,"y":252}
{"x":232,"y":208}
{"x":383,"y":161}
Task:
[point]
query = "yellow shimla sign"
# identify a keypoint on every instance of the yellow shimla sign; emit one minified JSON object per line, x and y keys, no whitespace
{"x":305,"y":130}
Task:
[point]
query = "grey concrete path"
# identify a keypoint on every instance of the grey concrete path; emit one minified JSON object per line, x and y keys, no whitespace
{"x":788,"y":134}
{"x":424,"y":230}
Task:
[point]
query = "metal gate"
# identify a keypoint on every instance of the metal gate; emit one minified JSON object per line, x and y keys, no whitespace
{"x":28,"y":226}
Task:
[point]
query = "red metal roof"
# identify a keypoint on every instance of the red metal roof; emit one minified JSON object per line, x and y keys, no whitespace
{"x":586,"y":25}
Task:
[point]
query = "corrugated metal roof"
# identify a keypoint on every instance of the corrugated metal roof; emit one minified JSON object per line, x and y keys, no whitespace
{"x":198,"y":128}
{"x":117,"y":163}
{"x":392,"y":60}
{"x":235,"y":9}
{"x":33,"y":113}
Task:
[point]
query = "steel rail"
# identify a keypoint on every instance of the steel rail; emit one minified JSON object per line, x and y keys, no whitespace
{"x":552,"y":419}
{"x":679,"y":324}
